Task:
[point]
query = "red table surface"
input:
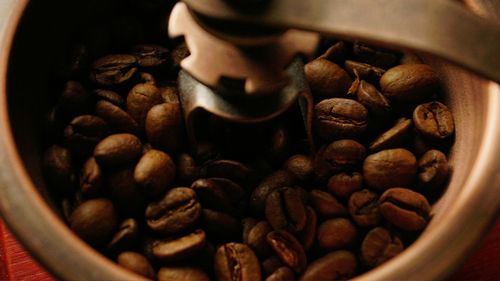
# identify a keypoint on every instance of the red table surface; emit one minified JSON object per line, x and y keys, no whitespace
{"x":17,"y":265}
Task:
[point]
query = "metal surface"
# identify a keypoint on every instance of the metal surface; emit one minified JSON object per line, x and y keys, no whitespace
{"x":462,"y":217}
{"x":262,"y":68}
{"x":438,"y":27}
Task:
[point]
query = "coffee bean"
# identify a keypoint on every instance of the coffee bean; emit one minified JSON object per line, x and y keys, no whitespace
{"x":337,"y":265}
{"x":257,"y":238}
{"x":234,"y":261}
{"x":233,"y":170}
{"x":344,"y":184}
{"x":170,"y":94}
{"x":140,"y":99}
{"x":308,"y":234}
{"x":219,"y":194}
{"x":126,"y":237}
{"x":94,"y":221}
{"x":182,"y":273}
{"x":117,"y":150}
{"x":84,"y":132}
{"x":282,"y":274}
{"x":372,"y":99}
{"x":118,"y":119}
{"x":274,"y":181}
{"x":220,"y":225}
{"x":335,"y":53}
{"x":279,"y":145}
{"x":364,"y":208}
{"x":410,"y":58}
{"x":394,"y":137}
{"x":285,"y":209}
{"x":75,"y":100}
{"x":379,"y":246}
{"x":288,"y":249}
{"x":247,"y":225}
{"x":179,"y":248}
{"x":336,"y":233}
{"x":154,"y":172}
{"x":187,"y":170}
{"x":58,"y":168}
{"x":434,"y":121}
{"x":136,"y":263}
{"x":151,"y":55}
{"x":340,"y":118}
{"x":301,"y":166}
{"x":410,"y":83}
{"x":271,"y":264}
{"x":374,"y":55}
{"x":363,"y":70}
{"x":147,"y":78}
{"x":91,"y":177}
{"x":178,"y":210}
{"x":433,"y":169}
{"x":113,"y":69}
{"x":110,"y":96}
{"x":325,"y":204}
{"x":344,"y":155}
{"x":405,"y":208}
{"x":327,"y":79}
{"x":164,"y":126}
{"x":128,"y":197}
{"x":390,"y":168}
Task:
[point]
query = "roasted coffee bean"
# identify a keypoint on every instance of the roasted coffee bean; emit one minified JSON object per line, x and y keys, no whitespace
{"x":84,"y":132}
{"x":126,"y":237}
{"x":58,"y":168}
{"x":136,"y":263}
{"x":340,"y":118}
{"x":285,"y":209}
{"x":170,"y":94}
{"x":113,"y":69}
{"x":219,"y":194}
{"x":179,"y":248}
{"x":128,"y":197}
{"x":187,"y":170}
{"x":336,"y":53}
{"x":94,"y":221}
{"x":288,"y":249}
{"x":118,"y":149}
{"x":369,"y":96}
{"x":154,"y":172}
{"x":75,"y":100}
{"x":110,"y":96}
{"x":182,"y":273}
{"x":220,"y":225}
{"x":410,"y":58}
{"x":405,"y":208}
{"x":147,"y":78}
{"x":151,"y":55}
{"x":247,"y":225}
{"x":379,"y":246}
{"x":363,"y":70}
{"x":274,"y":181}
{"x":282,"y":274}
{"x":433,"y":169}
{"x":363,"y":208}
{"x":344,"y":155}
{"x":118,"y":119}
{"x":91,"y":177}
{"x":327,"y":79}
{"x":336,"y":233}
{"x":326,"y":205}
{"x":301,"y":166}
{"x":229,"y":169}
{"x":434,"y":121}
{"x":394,"y":137}
{"x":164,"y":126}
{"x":337,"y":265}
{"x":308,"y":234}
{"x":344,"y":184}
{"x":234,"y":261}
{"x":140,"y":99}
{"x":279,"y":145}
{"x":410,"y":83}
{"x":257,"y":238}
{"x":178,"y":210}
{"x":271,"y":264}
{"x":390,"y":168}
{"x":374,"y":55}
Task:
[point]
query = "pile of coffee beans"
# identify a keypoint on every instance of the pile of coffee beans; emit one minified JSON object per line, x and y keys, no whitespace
{"x":250,"y":202}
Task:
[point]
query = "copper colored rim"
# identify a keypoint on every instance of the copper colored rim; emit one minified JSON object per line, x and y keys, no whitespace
{"x":438,"y":251}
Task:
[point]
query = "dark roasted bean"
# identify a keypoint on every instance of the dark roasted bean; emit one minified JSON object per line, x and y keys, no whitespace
{"x":405,"y":208}
{"x":288,"y":249}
